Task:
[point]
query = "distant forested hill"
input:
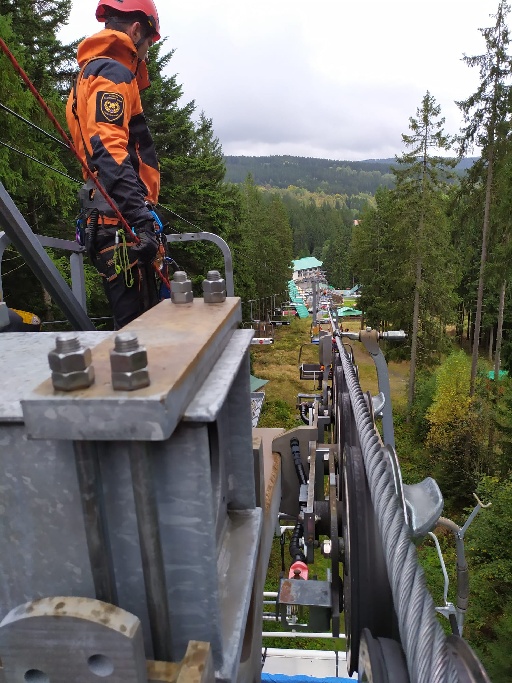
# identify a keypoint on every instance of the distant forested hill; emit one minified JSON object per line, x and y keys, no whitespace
{"x":316,"y":175}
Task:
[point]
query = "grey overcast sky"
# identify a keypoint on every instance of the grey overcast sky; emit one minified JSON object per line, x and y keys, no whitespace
{"x":330,"y":79}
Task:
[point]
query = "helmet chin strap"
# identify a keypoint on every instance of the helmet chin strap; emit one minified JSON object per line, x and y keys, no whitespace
{"x":138,"y":44}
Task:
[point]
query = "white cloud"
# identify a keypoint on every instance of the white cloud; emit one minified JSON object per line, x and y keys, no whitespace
{"x":333,"y":79}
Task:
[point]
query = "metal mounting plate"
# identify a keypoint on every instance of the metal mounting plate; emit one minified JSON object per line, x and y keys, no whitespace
{"x":183,"y":344}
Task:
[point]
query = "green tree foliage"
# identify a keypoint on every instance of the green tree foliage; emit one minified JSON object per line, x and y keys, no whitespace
{"x":29,"y":28}
{"x":401,"y":249}
{"x":263,"y":254}
{"x":373,"y":260}
{"x":335,"y":257}
{"x":486,"y":115}
{"x":503,"y":418}
{"x":192,"y":169}
{"x":489,"y":624}
{"x":46,"y":198}
{"x":315,"y":175}
{"x":421,"y":182}
{"x":451,"y":417}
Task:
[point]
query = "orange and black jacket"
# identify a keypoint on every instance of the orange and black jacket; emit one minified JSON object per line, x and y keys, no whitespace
{"x":110,"y":122}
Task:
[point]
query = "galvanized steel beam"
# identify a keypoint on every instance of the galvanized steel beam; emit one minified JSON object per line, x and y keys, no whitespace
{"x":29,"y":246}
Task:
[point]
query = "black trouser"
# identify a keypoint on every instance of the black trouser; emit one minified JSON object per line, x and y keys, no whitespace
{"x":129,"y":292}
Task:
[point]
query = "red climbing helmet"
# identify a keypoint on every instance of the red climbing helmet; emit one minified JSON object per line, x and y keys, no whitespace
{"x":147,"y":7}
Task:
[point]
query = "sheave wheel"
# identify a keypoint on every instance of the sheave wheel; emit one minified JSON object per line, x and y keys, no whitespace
{"x":366,"y":591}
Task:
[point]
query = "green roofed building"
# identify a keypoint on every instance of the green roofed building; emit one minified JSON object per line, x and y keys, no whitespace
{"x":305,"y":267}
{"x":347,"y":311}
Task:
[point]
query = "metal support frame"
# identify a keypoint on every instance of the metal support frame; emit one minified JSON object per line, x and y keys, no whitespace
{"x":73,"y":304}
{"x":369,"y":339}
{"x":31,"y":248}
{"x":211,"y":237}
{"x":160,"y":520}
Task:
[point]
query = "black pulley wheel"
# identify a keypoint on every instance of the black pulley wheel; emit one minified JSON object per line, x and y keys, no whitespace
{"x":468,"y":666}
{"x":367,"y":595}
{"x":381,"y":660}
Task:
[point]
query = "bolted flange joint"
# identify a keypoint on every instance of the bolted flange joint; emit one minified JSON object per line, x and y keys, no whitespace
{"x":71,"y":364}
{"x":128,"y":363}
{"x":214,"y":288}
{"x":181,"y":288}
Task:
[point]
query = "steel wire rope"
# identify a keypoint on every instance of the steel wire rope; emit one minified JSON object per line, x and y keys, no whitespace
{"x":33,"y":125}
{"x":168,"y":208}
{"x":14,"y":269}
{"x":423,"y":639}
{"x":24,"y":154}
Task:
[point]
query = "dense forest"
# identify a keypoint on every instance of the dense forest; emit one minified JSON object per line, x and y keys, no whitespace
{"x":319,"y":175}
{"x":429,"y":243}
{"x":315,"y":175}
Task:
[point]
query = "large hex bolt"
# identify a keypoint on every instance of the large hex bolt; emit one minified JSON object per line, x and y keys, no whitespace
{"x":214,"y":288}
{"x":181,"y":288}
{"x":70,"y":363}
{"x":129,"y":363}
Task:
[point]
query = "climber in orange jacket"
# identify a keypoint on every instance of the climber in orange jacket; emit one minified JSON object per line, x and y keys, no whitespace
{"x":109,"y":130}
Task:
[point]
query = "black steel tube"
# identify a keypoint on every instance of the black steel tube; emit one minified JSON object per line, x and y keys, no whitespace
{"x":151,"y":550}
{"x":96,"y":531}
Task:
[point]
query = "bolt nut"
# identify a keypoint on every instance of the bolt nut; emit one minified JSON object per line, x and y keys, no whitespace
{"x":69,"y":355}
{"x":128,"y":363}
{"x":129,"y":381}
{"x":181,"y":288}
{"x":214,"y":288}
{"x":69,"y":381}
{"x":70,"y":363}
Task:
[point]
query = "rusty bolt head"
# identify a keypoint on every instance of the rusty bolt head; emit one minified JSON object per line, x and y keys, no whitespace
{"x":68,"y":355}
{"x":214,"y":288}
{"x":129,"y":381}
{"x":69,"y":381}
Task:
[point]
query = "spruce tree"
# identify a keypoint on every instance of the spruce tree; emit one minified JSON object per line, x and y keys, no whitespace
{"x":421,"y":178}
{"x":193,"y":194}
{"x":486,"y":117}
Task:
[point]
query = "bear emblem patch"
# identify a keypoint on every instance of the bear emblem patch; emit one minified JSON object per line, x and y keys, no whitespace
{"x":110,"y":107}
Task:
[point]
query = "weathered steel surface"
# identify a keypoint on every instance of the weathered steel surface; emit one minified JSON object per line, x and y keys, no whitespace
{"x":308,"y":593}
{"x":62,"y":639}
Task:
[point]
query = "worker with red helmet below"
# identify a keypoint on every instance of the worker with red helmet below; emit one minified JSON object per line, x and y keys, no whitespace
{"x":109,"y":131}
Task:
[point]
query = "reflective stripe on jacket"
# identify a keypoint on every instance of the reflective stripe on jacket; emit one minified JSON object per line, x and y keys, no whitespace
{"x":112,"y":123}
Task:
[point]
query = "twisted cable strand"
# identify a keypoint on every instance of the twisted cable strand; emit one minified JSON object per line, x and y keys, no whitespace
{"x":423,"y":639}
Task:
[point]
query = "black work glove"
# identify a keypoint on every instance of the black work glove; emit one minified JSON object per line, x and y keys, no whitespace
{"x":147,"y":248}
